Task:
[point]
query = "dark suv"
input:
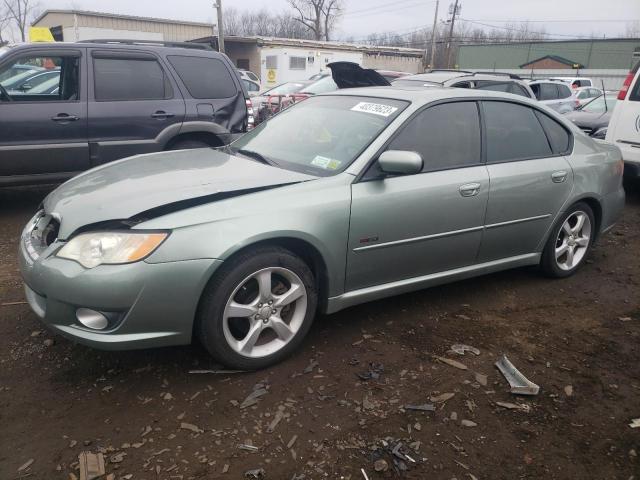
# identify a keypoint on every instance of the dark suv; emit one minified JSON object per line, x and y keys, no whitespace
{"x":113,"y":99}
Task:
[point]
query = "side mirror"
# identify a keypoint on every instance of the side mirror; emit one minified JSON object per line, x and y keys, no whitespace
{"x":400,"y":162}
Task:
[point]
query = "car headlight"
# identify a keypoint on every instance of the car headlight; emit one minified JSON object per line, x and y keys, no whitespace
{"x":93,"y":249}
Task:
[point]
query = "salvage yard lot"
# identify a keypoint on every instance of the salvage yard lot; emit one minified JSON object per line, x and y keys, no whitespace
{"x":58,"y":399}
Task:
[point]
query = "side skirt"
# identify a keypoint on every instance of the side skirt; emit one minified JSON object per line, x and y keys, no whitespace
{"x":377,"y":292}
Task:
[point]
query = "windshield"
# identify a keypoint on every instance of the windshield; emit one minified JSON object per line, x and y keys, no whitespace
{"x":321,"y":135}
{"x":285,"y":88}
{"x":597,"y":105}
{"x":323,"y":85}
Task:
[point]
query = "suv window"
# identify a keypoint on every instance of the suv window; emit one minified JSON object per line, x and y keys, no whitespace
{"x":23,"y":78}
{"x":545,"y":91}
{"x":129,"y":79}
{"x":508,"y":87}
{"x":563,"y":91}
{"x":558,"y":136}
{"x":446,"y":135}
{"x":204,"y":77}
{"x":513,"y":133}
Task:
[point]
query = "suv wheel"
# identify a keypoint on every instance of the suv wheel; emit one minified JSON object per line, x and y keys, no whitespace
{"x":569,"y":242}
{"x":258,"y":309}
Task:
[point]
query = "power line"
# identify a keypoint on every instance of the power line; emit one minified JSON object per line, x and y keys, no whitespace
{"x":385,"y":6}
{"x":516,"y":29}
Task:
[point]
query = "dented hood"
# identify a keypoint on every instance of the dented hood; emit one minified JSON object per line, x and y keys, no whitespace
{"x":352,"y":75}
{"x":148,"y":185}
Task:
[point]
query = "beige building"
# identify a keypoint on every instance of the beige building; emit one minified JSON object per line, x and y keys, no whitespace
{"x":78,"y":25}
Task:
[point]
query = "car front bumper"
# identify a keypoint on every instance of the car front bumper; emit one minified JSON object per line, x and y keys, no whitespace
{"x":148,"y":304}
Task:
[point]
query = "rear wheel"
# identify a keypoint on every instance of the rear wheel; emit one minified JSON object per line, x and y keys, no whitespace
{"x":569,"y":242}
{"x":258,"y":308}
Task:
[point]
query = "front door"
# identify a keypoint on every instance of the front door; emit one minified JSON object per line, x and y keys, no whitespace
{"x":43,"y":129}
{"x":134,"y":104}
{"x":407,"y":226}
{"x":530,"y":178}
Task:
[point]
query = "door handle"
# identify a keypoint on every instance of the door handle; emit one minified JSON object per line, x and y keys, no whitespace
{"x":64,"y":117}
{"x":559,"y":176}
{"x":162,"y":114}
{"x":469,"y":189}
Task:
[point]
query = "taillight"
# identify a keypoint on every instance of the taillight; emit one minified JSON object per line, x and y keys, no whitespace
{"x":251,"y":121}
{"x":622,"y":94}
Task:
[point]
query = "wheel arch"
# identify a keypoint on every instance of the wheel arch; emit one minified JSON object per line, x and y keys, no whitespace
{"x":209,"y":138}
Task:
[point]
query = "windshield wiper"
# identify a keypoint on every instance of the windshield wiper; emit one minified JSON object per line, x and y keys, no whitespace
{"x":255,"y":155}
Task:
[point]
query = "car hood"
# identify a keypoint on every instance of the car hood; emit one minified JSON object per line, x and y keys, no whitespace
{"x":352,"y":75}
{"x":147,"y":186}
{"x":588,"y":119}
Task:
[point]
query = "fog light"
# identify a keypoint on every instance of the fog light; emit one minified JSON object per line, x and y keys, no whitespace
{"x":92,"y":319}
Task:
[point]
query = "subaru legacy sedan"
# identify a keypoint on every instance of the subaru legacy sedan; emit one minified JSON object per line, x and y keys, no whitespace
{"x":341,"y":199}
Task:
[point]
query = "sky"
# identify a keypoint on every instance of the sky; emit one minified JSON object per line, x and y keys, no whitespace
{"x":559,"y":18}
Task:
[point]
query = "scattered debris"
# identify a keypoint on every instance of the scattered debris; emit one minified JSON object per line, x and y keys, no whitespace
{"x":248,"y":447}
{"x":452,"y":363}
{"x":514,"y":406}
{"x":276,"y":419}
{"x":26,"y":465}
{"x":468,"y":423}
{"x":568,"y":390}
{"x":442,"y":397}
{"x":221,"y":372}
{"x":256,"y":474}
{"x":312,"y":365}
{"x":91,"y":465}
{"x":625,"y":319}
{"x":191,"y":427}
{"x":49,"y":342}
{"x":367,"y":404}
{"x":520,"y":385}
{"x":635,"y":423}
{"x":364,"y":474}
{"x":292,"y":441}
{"x":225,"y":469}
{"x":380,"y":465}
{"x":253,"y":397}
{"x":461,"y":349}
{"x":146,"y":430}
{"x":481,"y":379}
{"x":375,"y":369}
{"x":425,"y":407}
{"x":117,"y":458}
{"x":8,"y":304}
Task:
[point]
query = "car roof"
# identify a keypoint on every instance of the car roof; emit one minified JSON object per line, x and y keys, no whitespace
{"x":175,"y":48}
{"x":434,"y":77}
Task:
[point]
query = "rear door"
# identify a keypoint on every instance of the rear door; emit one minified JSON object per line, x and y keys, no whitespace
{"x":46,"y":133}
{"x":412,"y":225}
{"x":134,"y":105}
{"x":529,"y":175}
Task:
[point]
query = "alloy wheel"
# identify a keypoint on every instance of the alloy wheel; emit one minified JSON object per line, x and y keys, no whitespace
{"x":573,"y":240}
{"x":264,"y":312}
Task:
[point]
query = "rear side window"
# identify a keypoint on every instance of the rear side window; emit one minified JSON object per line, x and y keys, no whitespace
{"x":130,"y":79}
{"x":447,"y":136}
{"x":548,"y":91}
{"x":204,"y":77}
{"x":513,"y":133}
{"x":558,"y":136}
{"x":563,"y":91}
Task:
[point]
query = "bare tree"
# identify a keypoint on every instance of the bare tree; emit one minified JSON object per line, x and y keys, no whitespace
{"x":318,"y":16}
{"x":632,"y":29}
{"x":4,"y":25}
{"x":20,"y":12}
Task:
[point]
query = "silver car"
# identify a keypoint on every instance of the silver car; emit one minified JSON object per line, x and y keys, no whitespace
{"x":555,"y":94}
{"x":339,"y":200}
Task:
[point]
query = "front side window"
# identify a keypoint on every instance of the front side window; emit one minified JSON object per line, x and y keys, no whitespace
{"x":321,"y":135}
{"x":41,"y":78}
{"x":513,"y":133}
{"x":446,"y":136}
{"x":204,"y":77}
{"x":126,"y":79}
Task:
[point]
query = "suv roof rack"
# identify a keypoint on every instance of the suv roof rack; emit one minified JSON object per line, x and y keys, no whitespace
{"x":195,"y":46}
{"x":432,"y":70}
{"x":504,"y":74}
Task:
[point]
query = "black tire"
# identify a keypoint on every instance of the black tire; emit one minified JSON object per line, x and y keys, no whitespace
{"x":548,"y":262}
{"x":222,"y":285}
{"x":188,"y":144}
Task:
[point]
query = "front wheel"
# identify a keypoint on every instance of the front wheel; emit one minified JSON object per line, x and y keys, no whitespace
{"x":569,"y":242}
{"x":258,"y":308}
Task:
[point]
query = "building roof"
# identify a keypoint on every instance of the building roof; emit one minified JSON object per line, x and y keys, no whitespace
{"x":556,"y":58}
{"x":89,"y":13}
{"x":317,"y":44}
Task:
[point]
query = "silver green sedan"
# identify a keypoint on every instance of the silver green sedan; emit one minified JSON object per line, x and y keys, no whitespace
{"x":343,"y":198}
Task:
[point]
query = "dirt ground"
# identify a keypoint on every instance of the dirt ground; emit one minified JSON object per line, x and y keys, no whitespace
{"x":577,"y":338}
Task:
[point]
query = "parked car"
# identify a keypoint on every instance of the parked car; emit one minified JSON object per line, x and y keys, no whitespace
{"x":624,"y":126}
{"x":139,"y":98}
{"x":24,"y":81}
{"x":253,"y":88}
{"x":341,"y":199}
{"x":343,"y":75}
{"x":249,"y":75}
{"x":391,"y":75}
{"x":271,"y":101}
{"x":593,"y":117}
{"x":555,"y":94}
{"x":17,"y":69}
{"x":586,"y":94}
{"x":575,"y":82}
{"x":465,"y":79}
{"x":319,"y":75}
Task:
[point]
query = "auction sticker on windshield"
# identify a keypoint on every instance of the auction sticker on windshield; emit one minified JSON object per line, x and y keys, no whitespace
{"x":326,"y":163}
{"x":375,"y":108}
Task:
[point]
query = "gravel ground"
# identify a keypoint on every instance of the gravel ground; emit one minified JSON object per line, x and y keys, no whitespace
{"x":153,"y":419}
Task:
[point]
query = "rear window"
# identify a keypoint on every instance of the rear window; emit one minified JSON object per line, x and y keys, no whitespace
{"x":204,"y":77}
{"x":129,"y":79}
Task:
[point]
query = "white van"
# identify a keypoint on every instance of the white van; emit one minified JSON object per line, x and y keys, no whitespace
{"x":575,"y":82}
{"x":624,"y":127}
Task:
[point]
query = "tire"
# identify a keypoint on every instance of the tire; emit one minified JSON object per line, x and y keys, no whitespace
{"x":557,"y":260}
{"x":188,"y":144}
{"x":263,"y":333}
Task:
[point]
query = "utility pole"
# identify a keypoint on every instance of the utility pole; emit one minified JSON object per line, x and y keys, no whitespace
{"x":433,"y":38}
{"x":218,"y":7}
{"x":454,"y":11}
